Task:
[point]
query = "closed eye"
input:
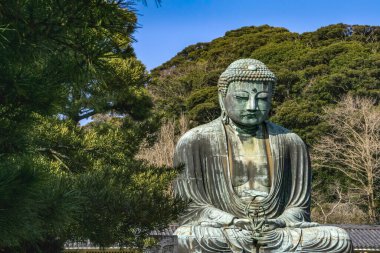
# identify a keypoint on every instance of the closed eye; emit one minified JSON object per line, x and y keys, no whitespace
{"x":242,"y":97}
{"x":262,"y":95}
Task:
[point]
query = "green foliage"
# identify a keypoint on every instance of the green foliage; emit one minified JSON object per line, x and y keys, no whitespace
{"x":203,"y":105}
{"x":23,"y":180}
{"x":52,"y":49}
{"x":63,"y":62}
{"x":35,"y":203}
{"x":314,"y":69}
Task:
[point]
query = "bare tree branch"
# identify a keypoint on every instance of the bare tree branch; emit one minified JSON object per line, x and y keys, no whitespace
{"x":352,"y":148}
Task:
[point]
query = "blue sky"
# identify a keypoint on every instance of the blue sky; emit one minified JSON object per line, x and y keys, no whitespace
{"x":167,"y":29}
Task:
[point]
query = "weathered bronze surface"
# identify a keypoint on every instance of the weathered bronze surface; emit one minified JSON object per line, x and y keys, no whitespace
{"x":248,"y":179}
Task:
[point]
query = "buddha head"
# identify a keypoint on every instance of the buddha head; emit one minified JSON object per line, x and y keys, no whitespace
{"x":245,"y":92}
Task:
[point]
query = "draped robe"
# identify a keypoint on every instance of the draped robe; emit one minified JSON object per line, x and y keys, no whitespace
{"x":206,"y":226}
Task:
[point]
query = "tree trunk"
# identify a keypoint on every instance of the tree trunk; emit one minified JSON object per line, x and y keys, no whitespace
{"x":371,"y":207}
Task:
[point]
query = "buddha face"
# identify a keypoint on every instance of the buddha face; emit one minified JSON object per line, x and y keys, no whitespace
{"x":248,"y":103}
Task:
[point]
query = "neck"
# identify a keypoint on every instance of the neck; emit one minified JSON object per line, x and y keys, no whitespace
{"x":246,"y":130}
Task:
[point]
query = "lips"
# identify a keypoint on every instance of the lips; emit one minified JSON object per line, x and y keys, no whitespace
{"x":249,"y":115}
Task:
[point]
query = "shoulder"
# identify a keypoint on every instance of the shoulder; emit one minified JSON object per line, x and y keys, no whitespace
{"x":284,"y":133}
{"x":206,"y":131}
{"x":275,"y":129}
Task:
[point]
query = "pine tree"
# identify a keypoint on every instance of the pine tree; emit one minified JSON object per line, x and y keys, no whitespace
{"x":64,"y":61}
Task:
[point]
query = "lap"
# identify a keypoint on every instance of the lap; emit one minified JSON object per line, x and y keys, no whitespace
{"x":290,"y":239}
{"x":211,"y":239}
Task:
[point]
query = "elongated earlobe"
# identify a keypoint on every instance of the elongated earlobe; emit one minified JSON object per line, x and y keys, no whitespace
{"x":224,"y":115}
{"x":225,"y":118}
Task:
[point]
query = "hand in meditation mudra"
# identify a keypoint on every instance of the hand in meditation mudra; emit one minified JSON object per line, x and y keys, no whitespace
{"x":247,"y":179}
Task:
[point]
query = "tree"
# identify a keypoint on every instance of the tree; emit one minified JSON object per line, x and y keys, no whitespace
{"x":61,"y":62}
{"x":162,"y":152}
{"x":353,"y":147}
{"x":333,"y":204}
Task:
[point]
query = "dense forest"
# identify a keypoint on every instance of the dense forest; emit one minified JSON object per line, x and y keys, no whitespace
{"x":315,"y":70}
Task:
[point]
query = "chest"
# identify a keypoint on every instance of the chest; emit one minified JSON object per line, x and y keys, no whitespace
{"x":249,"y":168}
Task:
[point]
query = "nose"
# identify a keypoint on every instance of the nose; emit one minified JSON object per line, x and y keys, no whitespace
{"x":251,"y":103}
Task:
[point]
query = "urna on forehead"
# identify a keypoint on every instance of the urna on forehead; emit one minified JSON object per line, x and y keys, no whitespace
{"x":245,"y":70}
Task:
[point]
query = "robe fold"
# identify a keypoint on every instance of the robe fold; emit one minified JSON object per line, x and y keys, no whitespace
{"x":206,"y":226}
